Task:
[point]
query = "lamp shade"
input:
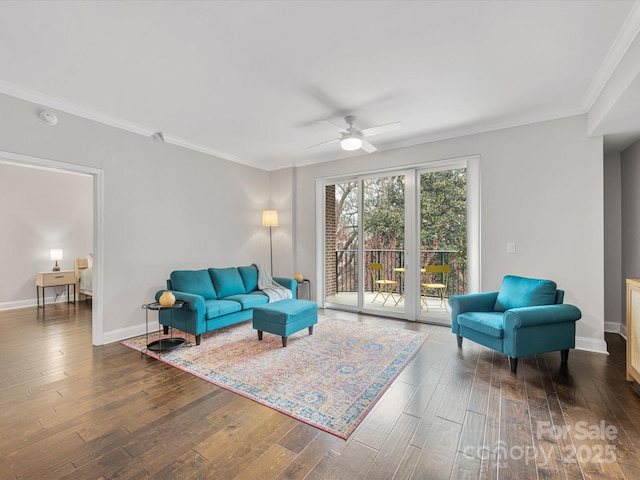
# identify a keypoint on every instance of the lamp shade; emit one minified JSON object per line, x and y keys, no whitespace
{"x":269,"y":218}
{"x":56,"y":254}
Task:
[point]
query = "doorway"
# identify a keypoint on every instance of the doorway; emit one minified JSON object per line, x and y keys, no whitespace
{"x":385,"y":233}
{"x":98,"y":226}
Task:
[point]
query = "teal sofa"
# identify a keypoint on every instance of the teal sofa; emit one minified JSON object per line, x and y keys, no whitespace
{"x":215,"y":298}
{"x":526,"y":317}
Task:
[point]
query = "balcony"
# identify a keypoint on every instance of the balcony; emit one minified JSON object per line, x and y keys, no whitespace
{"x":342,"y":289}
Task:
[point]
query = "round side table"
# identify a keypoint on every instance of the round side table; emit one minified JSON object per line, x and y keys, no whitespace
{"x":162,"y":344}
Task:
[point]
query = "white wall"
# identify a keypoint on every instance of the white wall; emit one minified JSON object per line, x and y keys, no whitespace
{"x":614,"y":283}
{"x":41,"y":210}
{"x":630,"y":178}
{"x":541,"y":187}
{"x":281,"y":195}
{"x":165,"y":207}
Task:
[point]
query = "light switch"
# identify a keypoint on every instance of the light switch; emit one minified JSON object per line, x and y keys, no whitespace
{"x":511,"y":247}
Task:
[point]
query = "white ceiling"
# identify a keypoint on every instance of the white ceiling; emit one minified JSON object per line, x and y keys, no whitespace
{"x":248,"y":81}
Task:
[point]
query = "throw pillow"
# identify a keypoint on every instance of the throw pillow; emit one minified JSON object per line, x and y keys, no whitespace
{"x":227,"y":281}
{"x":518,"y":292}
{"x":196,"y":282}
{"x":249,"y":276}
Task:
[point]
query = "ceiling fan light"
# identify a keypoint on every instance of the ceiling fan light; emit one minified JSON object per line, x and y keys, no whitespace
{"x":351,"y":143}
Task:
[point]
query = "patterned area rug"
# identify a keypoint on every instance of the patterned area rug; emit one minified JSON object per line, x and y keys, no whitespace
{"x":330,"y":379}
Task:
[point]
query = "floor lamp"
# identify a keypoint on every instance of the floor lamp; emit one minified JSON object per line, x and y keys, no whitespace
{"x":270,"y":219}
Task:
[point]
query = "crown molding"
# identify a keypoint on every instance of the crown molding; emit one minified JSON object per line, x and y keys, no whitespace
{"x":621,"y":44}
{"x":68,"y":107}
{"x":110,"y":120}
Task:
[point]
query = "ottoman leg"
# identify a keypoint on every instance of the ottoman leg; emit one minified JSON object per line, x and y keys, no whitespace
{"x":259,"y":335}
{"x":311,"y":330}
{"x":284,"y":342}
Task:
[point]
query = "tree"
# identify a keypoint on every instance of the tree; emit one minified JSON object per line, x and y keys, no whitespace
{"x":443,"y":219}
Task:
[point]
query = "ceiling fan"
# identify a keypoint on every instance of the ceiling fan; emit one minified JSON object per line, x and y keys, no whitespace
{"x":354,"y":139}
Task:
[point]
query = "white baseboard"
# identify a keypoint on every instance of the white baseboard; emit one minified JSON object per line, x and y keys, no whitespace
{"x":591,"y":345}
{"x":124,"y":333}
{"x":32,"y":302}
{"x":616,"y":327}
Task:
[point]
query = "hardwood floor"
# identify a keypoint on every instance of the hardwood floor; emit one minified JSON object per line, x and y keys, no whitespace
{"x":70,"y":410}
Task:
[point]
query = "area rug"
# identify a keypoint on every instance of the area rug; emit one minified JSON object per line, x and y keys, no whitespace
{"x":330,"y":379}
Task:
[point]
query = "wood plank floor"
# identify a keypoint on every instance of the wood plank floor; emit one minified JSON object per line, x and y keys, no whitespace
{"x":70,"y":410}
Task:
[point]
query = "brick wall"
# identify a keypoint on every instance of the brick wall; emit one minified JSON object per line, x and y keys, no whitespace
{"x":330,"y":240}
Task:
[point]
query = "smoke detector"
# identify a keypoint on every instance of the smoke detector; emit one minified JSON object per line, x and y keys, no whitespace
{"x":48,"y":117}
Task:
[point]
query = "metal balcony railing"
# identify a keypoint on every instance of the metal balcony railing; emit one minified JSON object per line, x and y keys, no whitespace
{"x":346,"y":268}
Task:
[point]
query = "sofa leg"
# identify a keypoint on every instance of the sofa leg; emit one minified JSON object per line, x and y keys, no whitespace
{"x":259,"y":335}
{"x":513,"y":363}
{"x":284,"y":342}
{"x":198,"y":339}
{"x":165,"y":329}
{"x":459,"y":338}
{"x":564,"y":356}
{"x":311,"y":330}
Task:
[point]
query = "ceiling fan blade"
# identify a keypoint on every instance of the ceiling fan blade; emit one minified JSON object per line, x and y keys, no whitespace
{"x":367,"y":147}
{"x":389,"y":127}
{"x":324,"y":143}
{"x":337,"y":127}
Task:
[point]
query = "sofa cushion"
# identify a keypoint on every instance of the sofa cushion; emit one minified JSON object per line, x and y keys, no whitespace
{"x":518,"y":292}
{"x":488,"y":323}
{"x":249,"y":276}
{"x":218,"y":308}
{"x":227,"y":281}
{"x":196,"y":282}
{"x":249,"y":300}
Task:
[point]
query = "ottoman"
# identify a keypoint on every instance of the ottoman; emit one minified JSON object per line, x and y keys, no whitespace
{"x":285,"y":317}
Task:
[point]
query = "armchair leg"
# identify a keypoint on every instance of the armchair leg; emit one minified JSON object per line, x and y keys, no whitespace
{"x":564,"y":356}
{"x":459,"y":338}
{"x":513,"y":363}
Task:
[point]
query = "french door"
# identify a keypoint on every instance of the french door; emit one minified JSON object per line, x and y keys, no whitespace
{"x":397,"y":244}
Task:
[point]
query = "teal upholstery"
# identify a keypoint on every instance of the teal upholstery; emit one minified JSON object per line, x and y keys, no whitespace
{"x":215,"y":298}
{"x":196,"y":282}
{"x":517,"y":292}
{"x":249,"y":300}
{"x":285,"y":318}
{"x":526,"y":317}
{"x":488,"y":323}
{"x":227,"y":281}
{"x":218,"y":308}
{"x":249,"y":277}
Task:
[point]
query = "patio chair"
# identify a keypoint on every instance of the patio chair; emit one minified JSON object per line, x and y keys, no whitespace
{"x":384,"y":286}
{"x":437,"y":279}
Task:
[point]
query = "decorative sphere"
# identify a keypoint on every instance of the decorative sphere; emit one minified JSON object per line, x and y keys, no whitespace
{"x":167,"y":299}
{"x":299,"y":277}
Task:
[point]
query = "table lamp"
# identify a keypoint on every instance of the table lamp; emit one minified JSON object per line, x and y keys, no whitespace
{"x":56,"y":254}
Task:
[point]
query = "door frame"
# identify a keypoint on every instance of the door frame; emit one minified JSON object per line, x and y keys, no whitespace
{"x":97,"y":310}
{"x":471,"y":163}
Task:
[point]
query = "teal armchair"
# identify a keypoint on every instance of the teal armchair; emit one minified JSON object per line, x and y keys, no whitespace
{"x":526,"y":317}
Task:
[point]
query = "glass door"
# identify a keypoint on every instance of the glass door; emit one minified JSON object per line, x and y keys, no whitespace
{"x":443,"y":240}
{"x":342,"y":280}
{"x":399,"y":244}
{"x":365,"y":244}
{"x":383,"y":220}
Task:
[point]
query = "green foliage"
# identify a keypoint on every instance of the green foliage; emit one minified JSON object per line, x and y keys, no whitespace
{"x":443,"y":211}
{"x":384,"y":213}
